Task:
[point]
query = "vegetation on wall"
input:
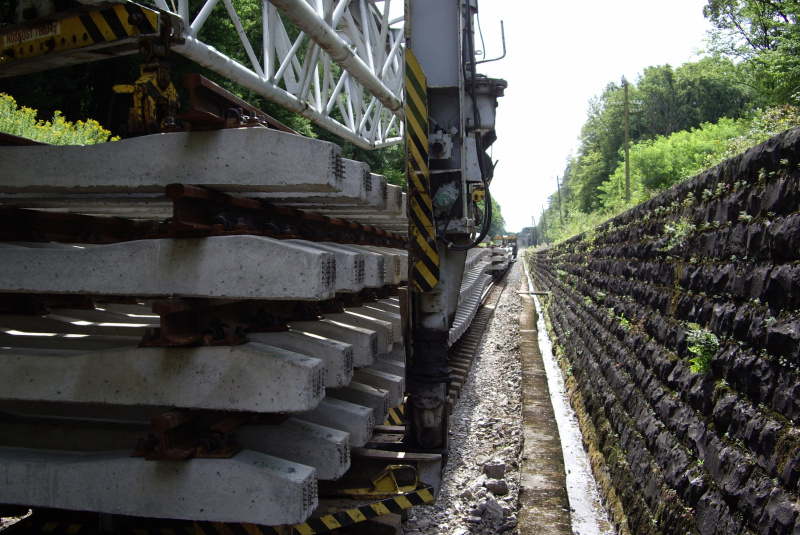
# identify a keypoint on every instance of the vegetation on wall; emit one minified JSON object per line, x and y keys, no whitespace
{"x":679,"y":326}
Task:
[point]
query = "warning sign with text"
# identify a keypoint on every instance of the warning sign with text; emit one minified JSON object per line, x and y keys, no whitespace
{"x":41,"y":31}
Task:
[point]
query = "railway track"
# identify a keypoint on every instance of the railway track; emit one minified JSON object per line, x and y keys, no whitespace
{"x":250,"y":323}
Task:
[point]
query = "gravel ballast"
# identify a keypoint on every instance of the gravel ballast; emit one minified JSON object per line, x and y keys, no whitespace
{"x":480,"y":483}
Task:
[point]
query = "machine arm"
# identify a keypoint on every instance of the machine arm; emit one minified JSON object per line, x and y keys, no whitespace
{"x":343,"y":70}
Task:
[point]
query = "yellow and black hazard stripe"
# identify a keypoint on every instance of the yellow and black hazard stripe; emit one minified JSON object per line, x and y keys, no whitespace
{"x":397,"y":416}
{"x":395,"y":504}
{"x":424,"y":253}
{"x":106,"y":26}
{"x":324,"y":524}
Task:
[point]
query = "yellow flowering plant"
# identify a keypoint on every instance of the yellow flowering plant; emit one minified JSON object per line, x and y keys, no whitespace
{"x":23,"y":122}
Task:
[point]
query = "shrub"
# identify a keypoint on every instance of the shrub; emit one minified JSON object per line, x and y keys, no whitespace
{"x":703,"y":345}
{"x":24,"y":123}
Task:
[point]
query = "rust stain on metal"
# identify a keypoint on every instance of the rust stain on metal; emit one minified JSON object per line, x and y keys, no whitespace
{"x":185,"y":434}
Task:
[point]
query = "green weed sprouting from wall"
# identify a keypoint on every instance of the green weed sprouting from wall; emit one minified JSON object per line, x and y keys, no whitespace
{"x":677,"y":232}
{"x":703,"y":345}
{"x":23,"y":122}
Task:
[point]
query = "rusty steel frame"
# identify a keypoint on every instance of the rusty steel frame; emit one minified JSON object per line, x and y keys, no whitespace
{"x":197,"y":321}
{"x":197,"y":212}
{"x":209,"y":321}
{"x":20,"y":224}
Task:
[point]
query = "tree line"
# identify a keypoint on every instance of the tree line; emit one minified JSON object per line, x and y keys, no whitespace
{"x":683,"y":120}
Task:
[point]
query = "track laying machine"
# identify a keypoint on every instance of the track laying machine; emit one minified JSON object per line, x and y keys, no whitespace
{"x":218,"y":321}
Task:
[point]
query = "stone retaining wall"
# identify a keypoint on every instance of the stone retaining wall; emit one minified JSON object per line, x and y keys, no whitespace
{"x":691,"y":445}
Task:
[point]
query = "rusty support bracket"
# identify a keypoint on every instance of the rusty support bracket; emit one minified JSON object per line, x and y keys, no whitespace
{"x":211,"y":107}
{"x":182,"y":435}
{"x":199,"y":211}
{"x":195,"y":321}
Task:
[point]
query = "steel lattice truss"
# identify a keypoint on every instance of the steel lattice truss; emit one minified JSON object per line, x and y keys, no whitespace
{"x":344,"y":71}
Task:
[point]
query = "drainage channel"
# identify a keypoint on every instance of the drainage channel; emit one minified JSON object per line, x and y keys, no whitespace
{"x":587,"y":514}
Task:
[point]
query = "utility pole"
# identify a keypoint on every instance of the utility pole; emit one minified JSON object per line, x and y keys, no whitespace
{"x":560,"y":216}
{"x":544,"y":226}
{"x":534,"y":234}
{"x":627,"y":157}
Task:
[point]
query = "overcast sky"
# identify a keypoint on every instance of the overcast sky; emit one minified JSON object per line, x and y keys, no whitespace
{"x":560,"y":55}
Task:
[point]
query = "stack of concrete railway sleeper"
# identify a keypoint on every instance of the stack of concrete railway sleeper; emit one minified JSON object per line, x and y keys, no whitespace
{"x":194,"y":361}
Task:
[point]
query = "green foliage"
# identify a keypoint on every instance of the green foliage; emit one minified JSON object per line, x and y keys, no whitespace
{"x":763,"y":125}
{"x":589,"y":171}
{"x":703,"y":344}
{"x":664,"y":161}
{"x":671,"y":100}
{"x":659,"y":163}
{"x":677,"y":233}
{"x":685,"y":119}
{"x":23,"y":122}
{"x":80,"y":91}
{"x":601,"y":137}
{"x":763,"y":37}
{"x":553,"y":227}
{"x":662,"y":102}
{"x":498,"y":226}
